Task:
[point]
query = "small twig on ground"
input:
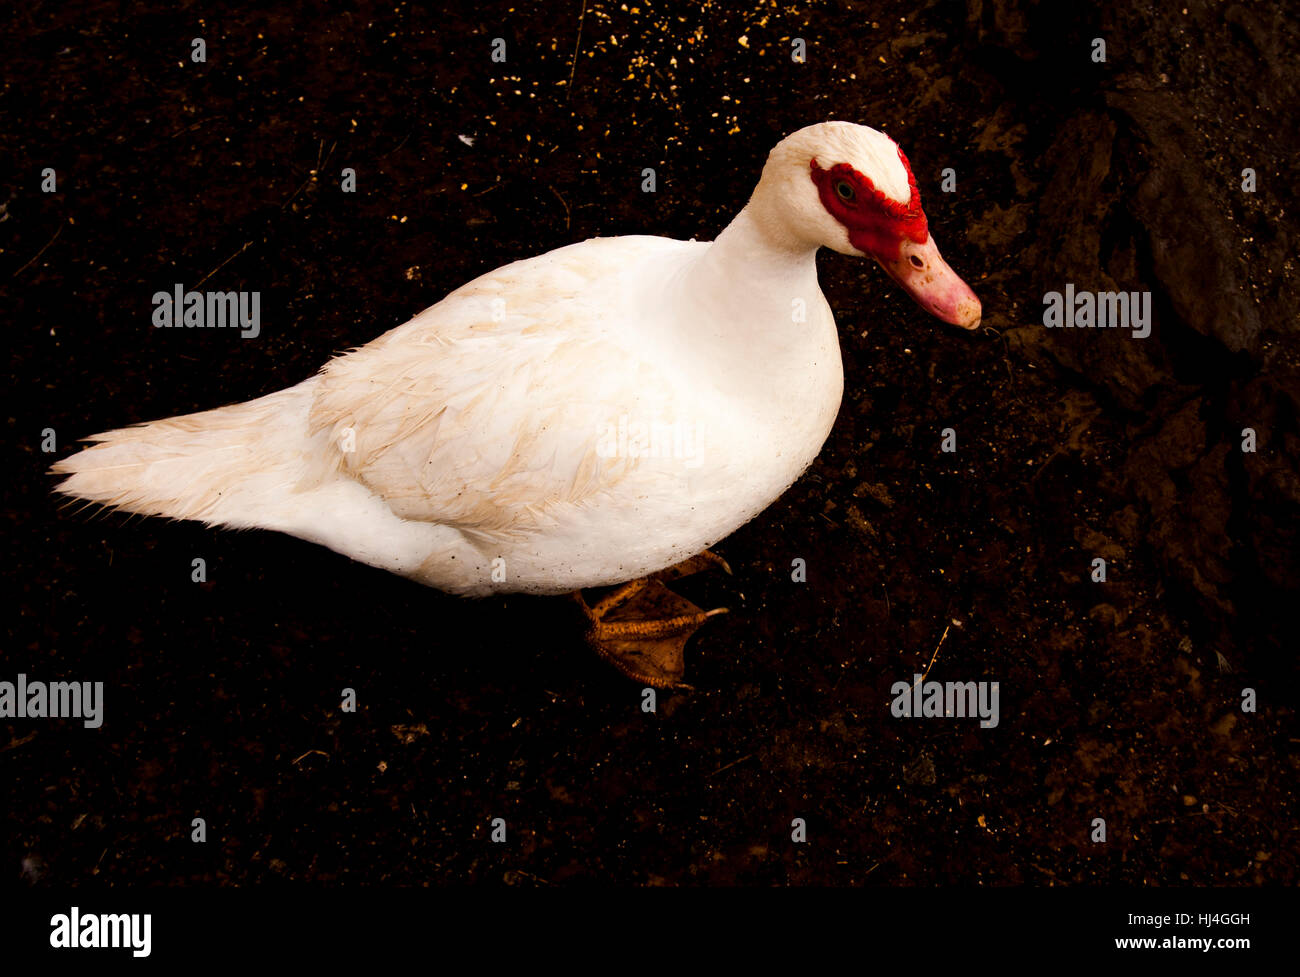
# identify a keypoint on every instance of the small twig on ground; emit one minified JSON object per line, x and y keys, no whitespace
{"x":933,"y":657}
{"x":567,"y":214}
{"x":727,"y":766}
{"x":577,"y":44}
{"x":224,"y":263}
{"x":38,"y":253}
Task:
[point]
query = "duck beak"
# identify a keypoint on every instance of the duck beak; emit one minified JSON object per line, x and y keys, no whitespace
{"x":921,"y":270}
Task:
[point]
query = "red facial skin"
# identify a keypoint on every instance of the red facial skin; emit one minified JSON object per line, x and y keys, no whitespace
{"x":876,"y":224}
{"x":898,"y":237}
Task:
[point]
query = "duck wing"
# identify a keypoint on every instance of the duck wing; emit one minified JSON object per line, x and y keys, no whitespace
{"x":485,"y":412}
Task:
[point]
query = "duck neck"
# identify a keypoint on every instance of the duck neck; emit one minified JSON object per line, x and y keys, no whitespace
{"x":754,"y":265}
{"x":749,"y":306}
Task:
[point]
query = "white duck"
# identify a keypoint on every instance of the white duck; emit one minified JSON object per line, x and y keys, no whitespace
{"x":584,"y":418}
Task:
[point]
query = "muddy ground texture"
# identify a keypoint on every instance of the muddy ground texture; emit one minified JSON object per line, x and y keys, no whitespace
{"x":1120,"y":700}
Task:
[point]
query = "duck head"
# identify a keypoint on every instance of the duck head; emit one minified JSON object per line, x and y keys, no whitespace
{"x":850,"y":188}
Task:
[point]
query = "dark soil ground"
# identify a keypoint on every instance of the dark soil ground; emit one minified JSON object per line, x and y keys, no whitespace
{"x":1119,"y":700}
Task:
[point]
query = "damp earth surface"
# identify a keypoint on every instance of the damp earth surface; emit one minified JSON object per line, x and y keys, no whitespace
{"x":1119,"y":700}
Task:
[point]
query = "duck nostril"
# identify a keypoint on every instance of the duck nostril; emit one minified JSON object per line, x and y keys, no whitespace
{"x":916,"y":261}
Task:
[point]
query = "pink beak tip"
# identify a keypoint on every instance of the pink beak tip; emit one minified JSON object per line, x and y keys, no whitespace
{"x":969,"y":313}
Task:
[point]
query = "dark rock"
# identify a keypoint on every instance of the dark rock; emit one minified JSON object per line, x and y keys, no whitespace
{"x":1195,"y":256}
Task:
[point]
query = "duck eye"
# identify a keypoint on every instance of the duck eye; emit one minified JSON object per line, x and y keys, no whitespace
{"x":844,"y":190}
